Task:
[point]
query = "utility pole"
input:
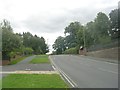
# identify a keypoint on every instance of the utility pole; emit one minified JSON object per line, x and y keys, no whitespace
{"x":84,"y":38}
{"x":84,"y":41}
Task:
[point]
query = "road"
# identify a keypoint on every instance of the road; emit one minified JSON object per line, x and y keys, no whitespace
{"x":83,"y":72}
{"x":25,"y":65}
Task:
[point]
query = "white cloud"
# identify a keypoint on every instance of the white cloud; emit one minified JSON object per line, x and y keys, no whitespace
{"x":48,"y":18}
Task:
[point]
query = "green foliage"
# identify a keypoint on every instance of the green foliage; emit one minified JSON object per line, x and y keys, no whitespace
{"x":99,"y":31}
{"x":115,"y":20}
{"x":10,"y":41}
{"x":24,"y":43}
{"x":36,"y":43}
{"x":72,"y":38}
{"x":0,"y":38}
{"x":12,"y":54}
{"x":70,"y":51}
{"x":104,"y":40}
{"x":17,"y":60}
{"x":90,"y":33}
{"x":80,"y":37}
{"x":59,"y":45}
{"x":102,"y":24}
{"x":27,"y":50}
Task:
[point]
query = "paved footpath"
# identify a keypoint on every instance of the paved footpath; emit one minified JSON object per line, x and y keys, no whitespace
{"x":24,"y":65}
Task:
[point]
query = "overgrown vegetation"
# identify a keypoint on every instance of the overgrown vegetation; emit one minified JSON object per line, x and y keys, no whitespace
{"x":20,"y":44}
{"x":40,"y":59}
{"x":70,"y":51}
{"x":33,"y":81}
{"x":17,"y":60}
{"x":101,"y":30}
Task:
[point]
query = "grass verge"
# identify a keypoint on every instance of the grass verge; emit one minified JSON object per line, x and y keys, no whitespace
{"x":33,"y":81}
{"x":40,"y":59}
{"x":17,"y":60}
{"x":0,"y":84}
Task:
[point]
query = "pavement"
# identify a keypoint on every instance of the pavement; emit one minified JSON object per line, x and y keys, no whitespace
{"x":85,"y":72}
{"x":24,"y":65}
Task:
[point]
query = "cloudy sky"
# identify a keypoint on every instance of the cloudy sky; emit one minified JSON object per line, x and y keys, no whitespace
{"x":48,"y":18}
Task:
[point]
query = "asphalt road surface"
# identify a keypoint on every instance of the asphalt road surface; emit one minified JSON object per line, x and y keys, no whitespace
{"x":83,"y":72}
{"x":25,"y":65}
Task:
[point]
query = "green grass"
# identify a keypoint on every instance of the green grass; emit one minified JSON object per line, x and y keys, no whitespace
{"x":33,"y":81}
{"x":40,"y":59}
{"x":0,"y":84}
{"x":17,"y":60}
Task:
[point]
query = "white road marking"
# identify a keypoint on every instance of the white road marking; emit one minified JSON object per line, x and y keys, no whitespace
{"x":27,"y":69}
{"x":72,"y":83}
{"x":100,"y":68}
{"x":53,"y":67}
{"x":107,"y":70}
{"x":69,"y":78}
{"x":104,"y":62}
{"x":111,"y":63}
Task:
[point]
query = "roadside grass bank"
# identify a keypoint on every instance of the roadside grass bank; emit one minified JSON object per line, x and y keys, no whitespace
{"x":33,"y":81}
{"x":17,"y":60}
{"x":40,"y":59}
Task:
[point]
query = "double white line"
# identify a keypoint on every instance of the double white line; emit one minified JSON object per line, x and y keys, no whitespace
{"x":63,"y":75}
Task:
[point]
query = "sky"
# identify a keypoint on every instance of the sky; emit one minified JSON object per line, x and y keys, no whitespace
{"x":48,"y":18}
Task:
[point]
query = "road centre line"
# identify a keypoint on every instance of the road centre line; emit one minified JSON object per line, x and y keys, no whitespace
{"x":100,"y":68}
{"x":107,"y":70}
{"x":102,"y":61}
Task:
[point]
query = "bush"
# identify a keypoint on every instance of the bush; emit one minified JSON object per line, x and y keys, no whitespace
{"x":12,"y":54}
{"x":71,"y":51}
{"x":104,"y":39}
{"x":27,"y":51}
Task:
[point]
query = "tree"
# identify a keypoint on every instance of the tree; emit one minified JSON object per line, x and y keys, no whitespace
{"x":114,"y":23}
{"x":90,"y":34}
{"x":36,"y":43}
{"x":27,"y":50}
{"x":0,"y":38}
{"x":72,"y":30}
{"x":59,"y":45}
{"x":80,"y":36}
{"x":102,"y":24}
{"x":44,"y":46}
{"x":102,"y":27}
{"x":10,"y":41}
{"x":17,"y":44}
{"x":27,"y":39}
{"x":93,"y":33}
